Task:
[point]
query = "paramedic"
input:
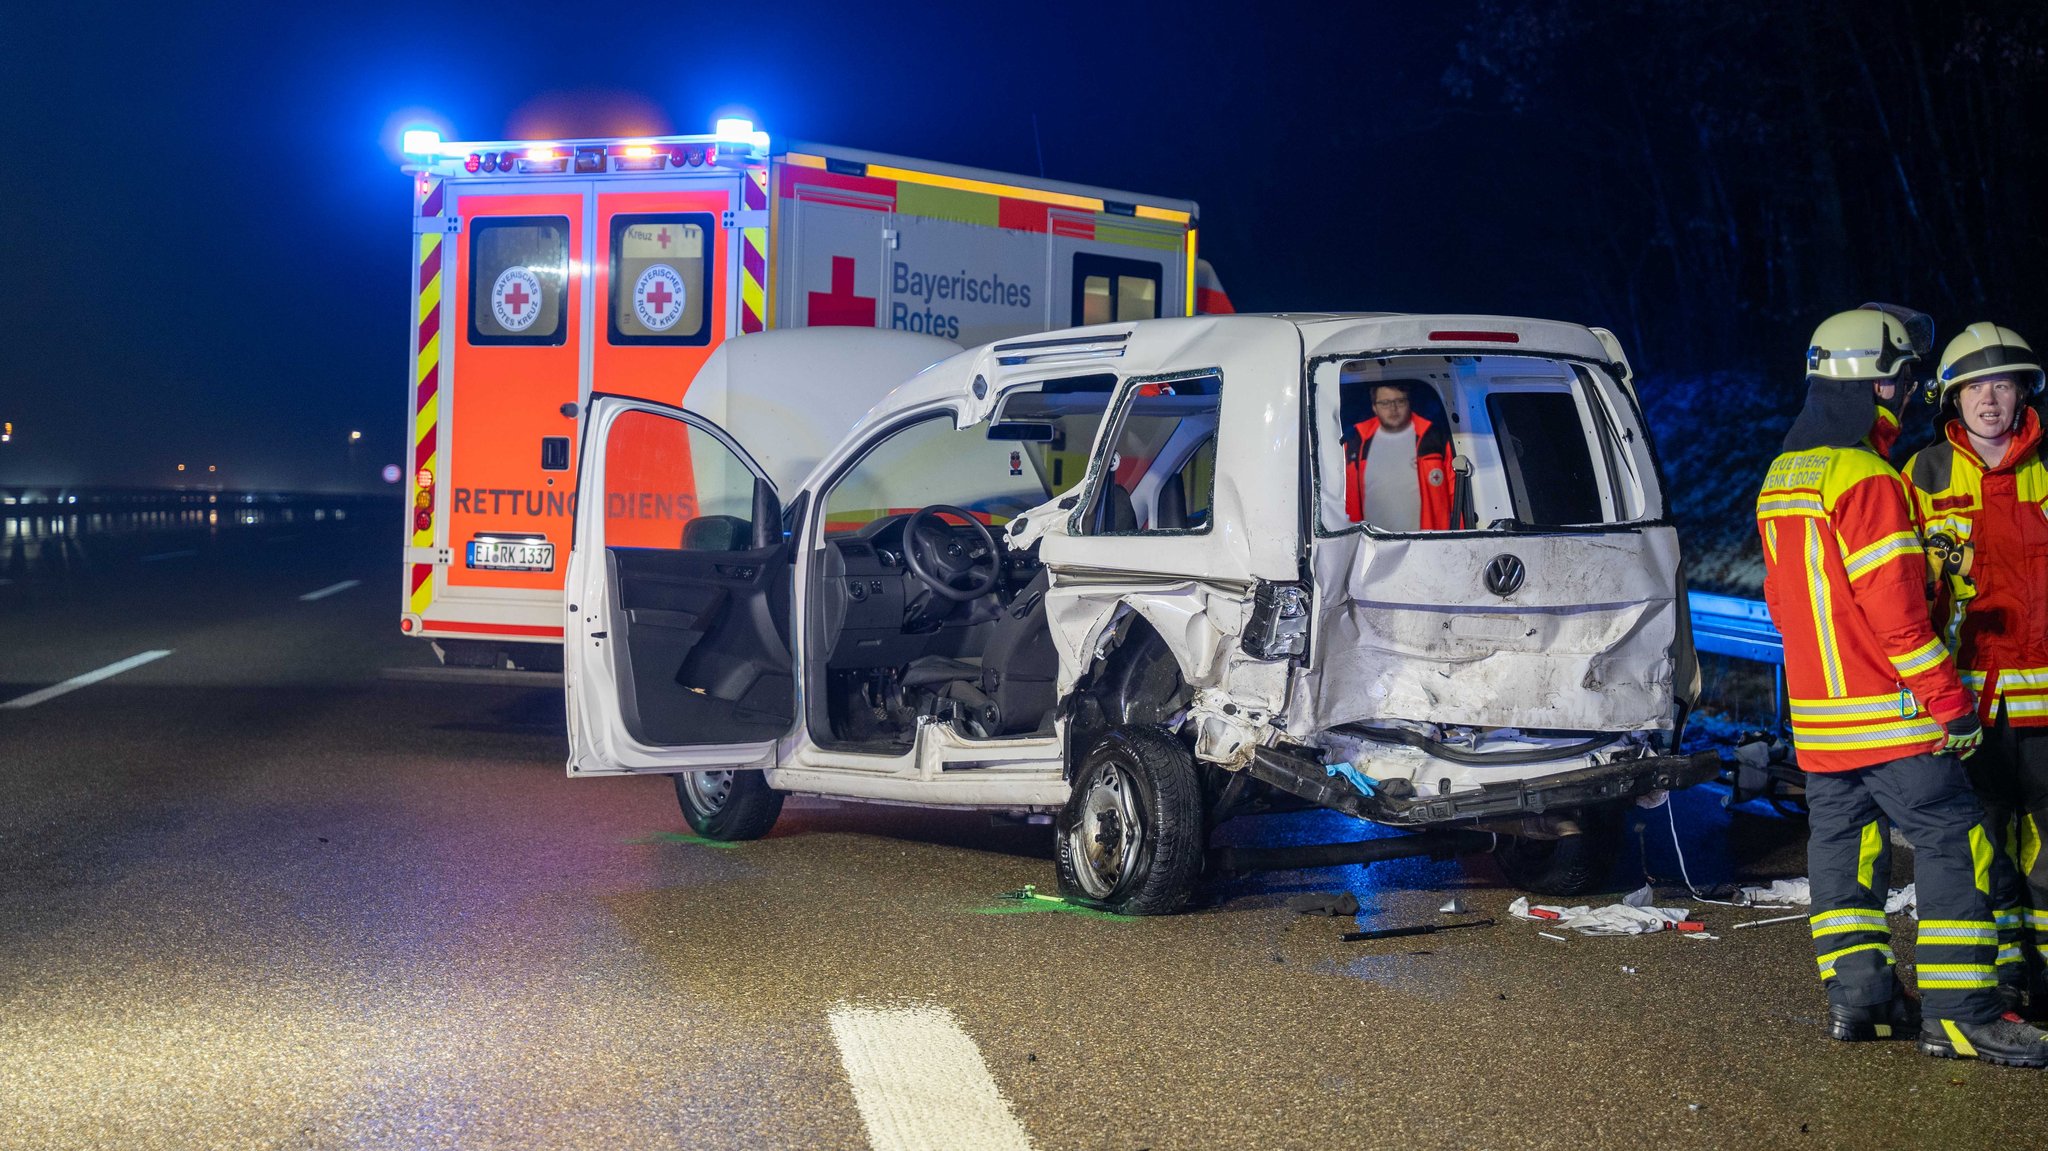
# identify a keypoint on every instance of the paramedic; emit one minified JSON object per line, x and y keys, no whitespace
{"x":1410,"y":462}
{"x":1879,"y":717}
{"x":1983,"y":485}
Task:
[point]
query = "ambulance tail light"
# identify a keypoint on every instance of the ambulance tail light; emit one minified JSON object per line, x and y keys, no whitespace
{"x":590,"y":159}
{"x":543,"y":160}
{"x":474,"y":162}
{"x":423,"y":510}
{"x":639,"y":158}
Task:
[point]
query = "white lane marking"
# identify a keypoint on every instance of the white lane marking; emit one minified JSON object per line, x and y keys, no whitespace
{"x":920,"y":1081}
{"x":186,"y":553}
{"x":330,"y":589}
{"x":77,"y":681}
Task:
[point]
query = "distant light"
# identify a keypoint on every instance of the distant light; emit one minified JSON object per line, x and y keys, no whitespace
{"x":213,"y":467}
{"x":181,"y":467}
{"x":422,"y":142}
{"x":390,"y":473}
{"x":354,"y":436}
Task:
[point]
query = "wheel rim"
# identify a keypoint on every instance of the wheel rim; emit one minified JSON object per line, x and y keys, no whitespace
{"x":708,"y":790}
{"x":1108,"y":839}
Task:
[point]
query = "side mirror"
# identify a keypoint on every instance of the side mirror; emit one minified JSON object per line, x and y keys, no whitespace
{"x":767,"y":516}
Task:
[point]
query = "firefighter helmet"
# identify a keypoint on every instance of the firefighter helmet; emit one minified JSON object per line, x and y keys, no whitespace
{"x":1865,"y":344}
{"x":1985,"y":349}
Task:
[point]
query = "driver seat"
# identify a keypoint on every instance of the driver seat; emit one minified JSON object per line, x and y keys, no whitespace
{"x":1012,"y":688}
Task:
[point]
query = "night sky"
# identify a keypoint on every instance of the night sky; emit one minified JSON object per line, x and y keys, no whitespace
{"x":210,"y":232}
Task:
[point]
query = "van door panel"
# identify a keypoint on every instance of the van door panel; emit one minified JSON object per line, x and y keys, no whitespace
{"x":1407,"y":628}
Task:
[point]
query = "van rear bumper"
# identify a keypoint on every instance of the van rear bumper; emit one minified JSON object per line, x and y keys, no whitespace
{"x":1303,"y":776}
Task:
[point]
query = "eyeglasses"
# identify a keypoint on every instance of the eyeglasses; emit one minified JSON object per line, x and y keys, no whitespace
{"x":1402,"y":403}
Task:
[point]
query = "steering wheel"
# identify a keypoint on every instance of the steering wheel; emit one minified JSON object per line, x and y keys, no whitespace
{"x":939,"y":560}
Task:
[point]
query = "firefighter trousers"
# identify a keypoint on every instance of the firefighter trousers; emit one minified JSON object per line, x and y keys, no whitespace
{"x":1928,"y":798}
{"x":2010,"y":775}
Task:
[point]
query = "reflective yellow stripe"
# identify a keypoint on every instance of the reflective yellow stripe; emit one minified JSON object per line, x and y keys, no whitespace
{"x":1868,"y":559}
{"x":2010,"y":953}
{"x":1956,"y":1040}
{"x":1826,"y":963}
{"x":1866,"y":855}
{"x":1927,"y":655}
{"x":2038,"y":920}
{"x":1885,"y":707}
{"x":1957,"y":975}
{"x":2006,"y":919}
{"x":1863,"y":913}
{"x":1862,"y":736}
{"x":1779,"y":507}
{"x":1980,"y":857}
{"x":1823,"y":611}
{"x":1951,"y":935}
{"x":2030,"y":843}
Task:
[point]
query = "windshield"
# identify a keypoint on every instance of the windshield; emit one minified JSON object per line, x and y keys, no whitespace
{"x":1424,"y":443}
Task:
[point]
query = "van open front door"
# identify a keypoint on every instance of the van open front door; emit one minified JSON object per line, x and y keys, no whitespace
{"x":677,"y":615}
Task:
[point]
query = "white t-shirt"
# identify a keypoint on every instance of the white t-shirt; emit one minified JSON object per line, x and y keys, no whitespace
{"x":1392,"y":500}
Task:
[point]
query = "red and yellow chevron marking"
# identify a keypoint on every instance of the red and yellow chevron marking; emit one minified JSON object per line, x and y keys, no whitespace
{"x":754,"y":255}
{"x":426,"y":405}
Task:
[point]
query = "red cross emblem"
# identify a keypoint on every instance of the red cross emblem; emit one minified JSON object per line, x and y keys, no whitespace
{"x":840,"y":308}
{"x":517,"y":297}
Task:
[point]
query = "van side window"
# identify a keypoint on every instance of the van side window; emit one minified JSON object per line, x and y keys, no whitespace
{"x":1542,"y":443}
{"x":1108,"y":289}
{"x":660,"y":279}
{"x":1159,"y":475}
{"x":518,"y":267}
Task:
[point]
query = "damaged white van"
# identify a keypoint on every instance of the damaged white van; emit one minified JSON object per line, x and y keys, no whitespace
{"x":1113,"y":576}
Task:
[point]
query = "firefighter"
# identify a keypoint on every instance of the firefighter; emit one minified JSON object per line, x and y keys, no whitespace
{"x":1879,"y":717}
{"x":1984,"y":487}
{"x":1410,"y":461}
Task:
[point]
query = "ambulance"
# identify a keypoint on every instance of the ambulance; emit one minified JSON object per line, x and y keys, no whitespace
{"x":549,"y":270}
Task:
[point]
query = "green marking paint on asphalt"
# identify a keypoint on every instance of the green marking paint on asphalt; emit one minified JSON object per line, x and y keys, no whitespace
{"x":680,"y":837}
{"x":1029,"y":902}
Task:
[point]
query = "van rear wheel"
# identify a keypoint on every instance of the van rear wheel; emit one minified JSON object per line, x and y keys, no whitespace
{"x":1568,"y":865}
{"x":728,"y":805}
{"x":1130,"y":837}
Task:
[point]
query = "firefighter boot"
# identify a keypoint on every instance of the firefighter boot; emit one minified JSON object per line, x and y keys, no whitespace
{"x":1897,"y":1019}
{"x":2007,"y":1039}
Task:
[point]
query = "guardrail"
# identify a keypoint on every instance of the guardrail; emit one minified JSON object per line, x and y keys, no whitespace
{"x":1727,"y":625}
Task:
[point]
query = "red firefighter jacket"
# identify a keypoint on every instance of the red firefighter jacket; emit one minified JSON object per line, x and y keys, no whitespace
{"x":1996,"y":620}
{"x":1434,"y":478}
{"x":1868,"y":681}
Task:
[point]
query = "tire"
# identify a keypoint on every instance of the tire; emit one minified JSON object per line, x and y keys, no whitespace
{"x":728,"y":805}
{"x":1130,"y":837}
{"x":1572,"y":865}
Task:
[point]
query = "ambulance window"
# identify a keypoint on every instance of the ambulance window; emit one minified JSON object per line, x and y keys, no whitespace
{"x":517,"y":268}
{"x":1160,"y":474}
{"x":661,"y":279}
{"x":1109,"y":289}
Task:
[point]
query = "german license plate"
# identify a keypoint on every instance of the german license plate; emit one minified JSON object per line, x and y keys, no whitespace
{"x":512,"y":555}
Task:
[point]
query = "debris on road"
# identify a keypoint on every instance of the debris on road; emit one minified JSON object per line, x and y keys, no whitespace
{"x":1768,"y":922}
{"x":1455,"y":906}
{"x":1412,"y":929}
{"x":1632,"y":916}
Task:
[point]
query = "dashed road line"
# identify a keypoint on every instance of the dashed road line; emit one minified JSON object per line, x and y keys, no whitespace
{"x":920,"y":1081}
{"x":180,"y":554}
{"x":330,"y":589}
{"x":77,"y":681}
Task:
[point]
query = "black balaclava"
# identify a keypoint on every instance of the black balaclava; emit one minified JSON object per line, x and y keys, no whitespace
{"x":1838,"y":414}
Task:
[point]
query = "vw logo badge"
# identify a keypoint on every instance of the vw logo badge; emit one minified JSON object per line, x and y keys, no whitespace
{"x":1504,"y":575}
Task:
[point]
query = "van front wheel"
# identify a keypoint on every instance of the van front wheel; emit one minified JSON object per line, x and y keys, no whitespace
{"x":1130,"y":837}
{"x":728,"y":805}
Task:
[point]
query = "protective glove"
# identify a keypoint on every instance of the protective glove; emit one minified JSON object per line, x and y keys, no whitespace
{"x":1965,"y":736}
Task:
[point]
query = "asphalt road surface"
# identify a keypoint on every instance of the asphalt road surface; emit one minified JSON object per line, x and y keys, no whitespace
{"x":262,"y":892}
